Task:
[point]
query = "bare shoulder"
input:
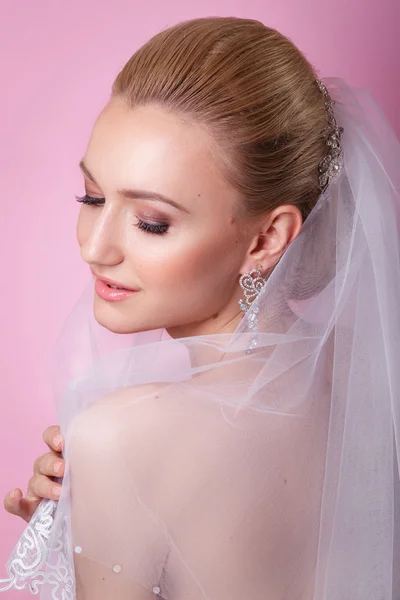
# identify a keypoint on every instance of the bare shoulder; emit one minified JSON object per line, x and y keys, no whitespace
{"x":130,"y":417}
{"x":163,"y":429}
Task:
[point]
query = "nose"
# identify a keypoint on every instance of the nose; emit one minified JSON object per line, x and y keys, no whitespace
{"x":101,"y":237}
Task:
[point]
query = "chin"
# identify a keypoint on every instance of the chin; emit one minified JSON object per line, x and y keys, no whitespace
{"x":114,"y":327}
{"x":111,"y":317}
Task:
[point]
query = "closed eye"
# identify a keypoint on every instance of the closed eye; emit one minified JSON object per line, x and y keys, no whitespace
{"x":86,"y":199}
{"x":152,"y":228}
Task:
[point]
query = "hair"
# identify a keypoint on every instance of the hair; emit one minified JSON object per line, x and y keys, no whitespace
{"x":253,"y":90}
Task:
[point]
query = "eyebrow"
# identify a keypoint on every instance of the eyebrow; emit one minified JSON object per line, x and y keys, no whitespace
{"x":135,"y":194}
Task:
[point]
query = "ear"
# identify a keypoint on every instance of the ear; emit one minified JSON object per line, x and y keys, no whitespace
{"x":275,"y":232}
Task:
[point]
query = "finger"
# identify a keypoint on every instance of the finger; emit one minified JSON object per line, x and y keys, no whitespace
{"x":51,"y":465}
{"x":14,"y":504}
{"x":37,"y":464}
{"x":12,"y":500}
{"x":28,"y":505}
{"x":43,"y":487}
{"x":53,"y":438}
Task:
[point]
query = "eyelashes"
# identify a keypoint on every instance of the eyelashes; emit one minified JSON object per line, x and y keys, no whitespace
{"x":90,"y":200}
{"x":152,"y":228}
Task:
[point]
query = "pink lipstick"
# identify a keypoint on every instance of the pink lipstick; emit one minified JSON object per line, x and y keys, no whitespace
{"x":111,"y":290}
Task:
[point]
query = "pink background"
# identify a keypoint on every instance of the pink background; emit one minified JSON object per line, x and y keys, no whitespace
{"x":57,"y":62}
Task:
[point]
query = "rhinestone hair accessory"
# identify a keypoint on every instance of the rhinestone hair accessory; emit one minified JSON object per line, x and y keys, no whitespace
{"x":332,"y":163}
{"x":252,"y":284}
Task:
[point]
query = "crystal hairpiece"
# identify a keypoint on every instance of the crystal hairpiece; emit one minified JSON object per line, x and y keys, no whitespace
{"x":332,"y":163}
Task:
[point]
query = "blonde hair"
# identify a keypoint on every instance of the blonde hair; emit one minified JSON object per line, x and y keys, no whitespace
{"x":253,"y":90}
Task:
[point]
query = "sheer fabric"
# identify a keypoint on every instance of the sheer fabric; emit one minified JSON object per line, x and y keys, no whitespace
{"x":196,"y":470}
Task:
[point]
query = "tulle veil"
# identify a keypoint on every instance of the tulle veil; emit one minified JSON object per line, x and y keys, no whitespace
{"x":198,"y":470}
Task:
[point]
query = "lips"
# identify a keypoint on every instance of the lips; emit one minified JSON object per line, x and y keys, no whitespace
{"x":111,"y":283}
{"x":114,"y":287}
{"x":109,"y":294}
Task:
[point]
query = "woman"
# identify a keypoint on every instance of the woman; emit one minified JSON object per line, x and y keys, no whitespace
{"x":239,"y":439}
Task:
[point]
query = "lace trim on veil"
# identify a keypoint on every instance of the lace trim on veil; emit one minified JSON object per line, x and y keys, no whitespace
{"x":39,"y":560}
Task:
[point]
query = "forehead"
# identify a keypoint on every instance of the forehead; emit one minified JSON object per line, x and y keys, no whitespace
{"x":149,"y":147}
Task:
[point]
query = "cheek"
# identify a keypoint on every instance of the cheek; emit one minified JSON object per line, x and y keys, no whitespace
{"x":173,"y":264}
{"x":81,"y":228}
{"x":83,"y":225}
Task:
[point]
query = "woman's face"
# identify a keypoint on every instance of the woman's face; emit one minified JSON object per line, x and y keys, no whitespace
{"x":183,"y":257}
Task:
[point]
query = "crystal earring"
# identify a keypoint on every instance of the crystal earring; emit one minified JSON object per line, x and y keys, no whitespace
{"x":252,"y":284}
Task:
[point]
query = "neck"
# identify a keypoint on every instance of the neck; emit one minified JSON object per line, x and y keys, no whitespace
{"x":213,"y":325}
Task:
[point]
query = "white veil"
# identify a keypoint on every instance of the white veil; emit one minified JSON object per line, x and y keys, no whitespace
{"x":198,"y":470}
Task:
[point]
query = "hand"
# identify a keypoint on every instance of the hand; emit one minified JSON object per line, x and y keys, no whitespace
{"x":41,"y":485}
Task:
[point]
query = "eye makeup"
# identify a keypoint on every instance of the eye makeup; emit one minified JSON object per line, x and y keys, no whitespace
{"x":86,"y":199}
{"x":151,"y":228}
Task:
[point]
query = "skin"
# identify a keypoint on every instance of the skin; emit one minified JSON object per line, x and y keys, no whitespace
{"x":40,"y":485}
{"x":187,"y":278}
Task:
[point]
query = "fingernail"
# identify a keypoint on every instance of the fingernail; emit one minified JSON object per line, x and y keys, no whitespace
{"x":57,"y":440}
{"x":13,"y":494}
{"x":56,"y":491}
{"x":57,"y":467}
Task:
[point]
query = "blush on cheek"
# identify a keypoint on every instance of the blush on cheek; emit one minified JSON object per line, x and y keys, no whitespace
{"x":196,"y":267}
{"x":184,"y":267}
